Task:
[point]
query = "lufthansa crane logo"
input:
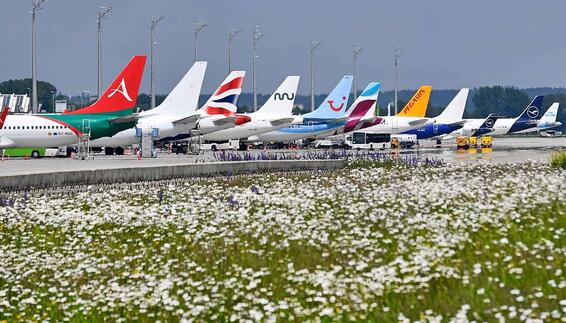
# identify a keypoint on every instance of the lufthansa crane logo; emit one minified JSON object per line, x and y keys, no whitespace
{"x":122,"y":90}
{"x":336,"y":109}
{"x":489,"y":123}
{"x":284,"y":96}
{"x":532,"y":112}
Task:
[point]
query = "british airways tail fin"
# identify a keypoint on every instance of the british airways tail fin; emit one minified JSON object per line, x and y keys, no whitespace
{"x":334,"y":106}
{"x":225,"y":99}
{"x":454,"y":112}
{"x":550,"y":115}
{"x":120,"y":98}
{"x":281,"y":101}
{"x":532,"y":112}
{"x":183,"y":99}
{"x":418,"y":104}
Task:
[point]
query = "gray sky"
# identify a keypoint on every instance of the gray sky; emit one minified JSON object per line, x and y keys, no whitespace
{"x":446,"y":43}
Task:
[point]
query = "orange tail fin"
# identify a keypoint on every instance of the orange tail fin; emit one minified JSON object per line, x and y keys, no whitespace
{"x":416,"y":107}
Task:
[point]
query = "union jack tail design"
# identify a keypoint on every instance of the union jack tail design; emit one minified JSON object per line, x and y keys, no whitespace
{"x":224,"y":101}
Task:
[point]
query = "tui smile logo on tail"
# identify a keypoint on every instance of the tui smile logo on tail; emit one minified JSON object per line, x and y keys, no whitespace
{"x":532,"y":112}
{"x":336,"y":109}
{"x":122,"y":90}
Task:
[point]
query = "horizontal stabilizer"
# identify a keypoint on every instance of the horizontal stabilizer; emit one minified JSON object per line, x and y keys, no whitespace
{"x":125,"y":119}
{"x":187,"y":120}
{"x":458,"y":124}
{"x":281,"y":121}
{"x":224,"y":121}
{"x":417,"y":122}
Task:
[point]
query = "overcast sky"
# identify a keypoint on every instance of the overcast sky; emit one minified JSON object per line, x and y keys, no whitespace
{"x":446,"y":43}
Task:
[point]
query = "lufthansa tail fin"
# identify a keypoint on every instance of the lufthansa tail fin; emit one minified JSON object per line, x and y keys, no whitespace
{"x":532,"y":112}
{"x":418,"y":104}
{"x":225,"y":99}
{"x":550,"y":115}
{"x":183,"y":99}
{"x":334,"y":106}
{"x":281,"y":101}
{"x":454,"y":112}
{"x":120,"y":98}
{"x":489,"y":122}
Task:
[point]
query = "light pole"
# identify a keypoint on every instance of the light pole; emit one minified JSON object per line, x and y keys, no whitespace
{"x":396,"y":53}
{"x":102,"y":14}
{"x":231,"y":35}
{"x":154,"y":21}
{"x":357,"y":51}
{"x":199,"y":26}
{"x":35,"y":7}
{"x":53,"y":98}
{"x":257,"y":36}
{"x":314,"y":46}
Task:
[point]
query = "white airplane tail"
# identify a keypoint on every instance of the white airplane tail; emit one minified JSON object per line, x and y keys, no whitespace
{"x":183,"y":99}
{"x":550,"y":115}
{"x":281,"y":101}
{"x":454,"y":112}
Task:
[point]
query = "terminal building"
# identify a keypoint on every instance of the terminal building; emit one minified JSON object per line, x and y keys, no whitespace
{"x":17,"y":103}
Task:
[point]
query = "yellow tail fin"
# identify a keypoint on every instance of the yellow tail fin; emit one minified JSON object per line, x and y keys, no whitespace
{"x":416,"y":107}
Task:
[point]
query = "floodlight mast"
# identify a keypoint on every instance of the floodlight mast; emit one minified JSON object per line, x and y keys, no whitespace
{"x":199,"y":26}
{"x":314,"y":45}
{"x":396,"y":54}
{"x":155,"y":20}
{"x":231,"y":36}
{"x":256,"y":37}
{"x":36,"y":5}
{"x":356,"y":52}
{"x":103,"y":13}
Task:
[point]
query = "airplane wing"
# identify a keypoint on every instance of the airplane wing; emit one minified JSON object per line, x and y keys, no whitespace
{"x":224,"y":121}
{"x":125,"y":119}
{"x":187,"y":120}
{"x":281,"y":121}
{"x":417,"y":122}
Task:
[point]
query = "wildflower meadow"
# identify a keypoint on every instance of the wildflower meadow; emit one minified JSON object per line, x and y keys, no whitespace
{"x":377,"y":242}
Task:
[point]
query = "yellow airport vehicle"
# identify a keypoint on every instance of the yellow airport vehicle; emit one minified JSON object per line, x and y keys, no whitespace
{"x":473,"y":141}
{"x":486,"y":142}
{"x":462,"y":142}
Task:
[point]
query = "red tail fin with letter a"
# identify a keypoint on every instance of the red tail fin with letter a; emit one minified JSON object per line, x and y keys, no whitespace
{"x":120,"y":98}
{"x":3,"y":116}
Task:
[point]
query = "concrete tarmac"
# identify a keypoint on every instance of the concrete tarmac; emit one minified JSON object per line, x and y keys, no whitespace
{"x":511,"y":150}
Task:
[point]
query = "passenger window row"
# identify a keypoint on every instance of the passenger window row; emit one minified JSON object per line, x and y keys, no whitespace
{"x":33,"y":127}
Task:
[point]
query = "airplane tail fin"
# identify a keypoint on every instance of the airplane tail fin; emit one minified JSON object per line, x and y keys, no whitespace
{"x":418,"y":104}
{"x":366,"y":103}
{"x":3,"y":116}
{"x":532,"y":112}
{"x":183,"y":99}
{"x":225,"y":99}
{"x":489,"y":122}
{"x":120,"y":97}
{"x":334,"y":106}
{"x":455,"y":110}
{"x":281,"y":101}
{"x":550,"y":115}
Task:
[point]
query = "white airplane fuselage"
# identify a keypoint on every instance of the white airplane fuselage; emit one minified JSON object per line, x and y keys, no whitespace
{"x":395,"y":125}
{"x":35,"y":131}
{"x":259,"y":123}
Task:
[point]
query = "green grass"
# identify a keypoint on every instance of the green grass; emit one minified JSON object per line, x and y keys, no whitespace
{"x":558,"y":159}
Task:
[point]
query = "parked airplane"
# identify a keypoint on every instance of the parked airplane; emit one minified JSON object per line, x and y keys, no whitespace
{"x":110,"y":114}
{"x":180,"y":103}
{"x":548,"y":120}
{"x":326,"y":119}
{"x":451,"y":119}
{"x":478,"y":128}
{"x":526,"y":120}
{"x":410,"y":117}
{"x":219,"y":112}
{"x":275,"y":114}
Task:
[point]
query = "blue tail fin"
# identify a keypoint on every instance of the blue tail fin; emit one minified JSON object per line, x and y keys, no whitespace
{"x":335,"y":104}
{"x":489,"y":122}
{"x":532,"y":112}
